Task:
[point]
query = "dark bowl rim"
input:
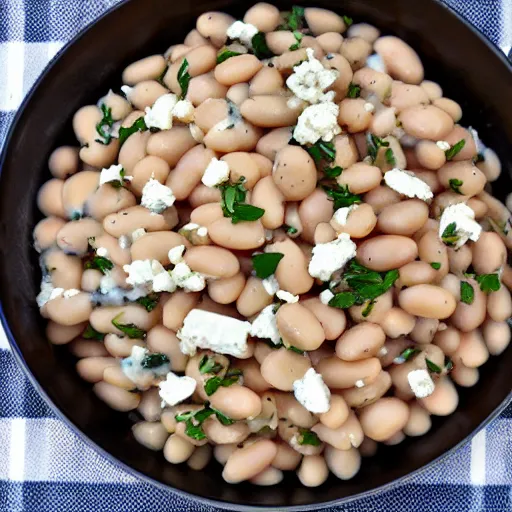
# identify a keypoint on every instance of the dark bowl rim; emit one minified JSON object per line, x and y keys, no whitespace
{"x":132,"y":471}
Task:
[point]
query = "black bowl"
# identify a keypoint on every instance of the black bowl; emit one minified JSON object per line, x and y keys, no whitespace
{"x":470,"y":70}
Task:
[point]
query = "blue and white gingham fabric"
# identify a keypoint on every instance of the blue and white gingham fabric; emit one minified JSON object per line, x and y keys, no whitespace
{"x":44,"y":467}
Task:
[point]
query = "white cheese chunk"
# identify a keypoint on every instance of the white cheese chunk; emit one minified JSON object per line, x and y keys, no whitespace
{"x":421,"y":383}
{"x":317,"y":122}
{"x":187,"y":279}
{"x":127,"y":91}
{"x":287,"y":296}
{"x":369,"y":107}
{"x":326,"y":296}
{"x":265,"y":325}
{"x":163,"y":282}
{"x":156,"y":197}
{"x":216,"y":173}
{"x":271,"y":285}
{"x":140,"y":272}
{"x":142,"y":377}
{"x":244,"y":32}
{"x":107,"y":284}
{"x":332,"y":256}
{"x":176,"y":254}
{"x":466,"y":228}
{"x":407,"y":184}
{"x":115,"y":173}
{"x":341,"y":214}
{"x":56,"y":292}
{"x":443,"y":145}
{"x":206,"y":330}
{"x":312,"y":393}
{"x":175,"y":389}
{"x":70,"y":293}
{"x":102,"y":252}
{"x":184,"y":111}
{"x":310,"y":79}
{"x":160,"y":114}
{"x":45,"y":293}
{"x":359,"y":383}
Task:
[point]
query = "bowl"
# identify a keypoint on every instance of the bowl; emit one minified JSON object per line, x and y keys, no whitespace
{"x":471,"y":70}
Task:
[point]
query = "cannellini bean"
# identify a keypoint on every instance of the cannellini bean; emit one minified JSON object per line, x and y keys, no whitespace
{"x":424,"y":330}
{"x":444,"y":400}
{"x":344,"y":464}
{"x":66,"y":271}
{"x":164,"y":341}
{"x":405,"y":95}
{"x":242,"y":166}
{"x":222,"y":452}
{"x":340,"y":374}
{"x":432,"y":89}
{"x":386,"y":252}
{"x":150,"y":435}
{"x":245,"y":235}
{"x":360,"y":177}
{"x":203,"y":87}
{"x":404,"y":218}
{"x":76,"y":191}
{"x":369,"y":393}
{"x":268,"y":111}
{"x":460,"y":259}
{"x":348,"y":435}
{"x":101,"y":317}
{"x":245,"y":463}
{"x":419,"y":421}
{"x":213,"y":26}
{"x":74,"y":236}
{"x":119,"y":346}
{"x":61,"y":334}
{"x":237,"y":402}
{"x":489,"y":253}
{"x":282,"y":367}
{"x":380,"y":197}
{"x":472,"y":351}
{"x":401,"y":61}
{"x":177,"y":308}
{"x":380,"y":309}
{"x":226,"y":290}
{"x":313,"y":210}
{"x":225,"y":434}
{"x":353,"y":116}
{"x":70,"y":311}
{"x":360,"y":222}
{"x":299,"y":327}
{"x":464,"y":376}
{"x":269,"y":476}
{"x":264,"y":16}
{"x":286,"y":459}
{"x":170,"y":145}
{"x":447,"y":340}
{"x":177,"y":449}
{"x":499,"y":305}
{"x":397,"y":323}
{"x":63,"y":162}
{"x":293,"y":412}
{"x":429,"y":155}
{"x":470,"y":316}
{"x":133,"y":150}
{"x":333,"y":320}
{"x":212,"y":261}
{"x":107,"y":199}
{"x":313,"y":471}
{"x":200,"y":458}
{"x":240,"y":68}
{"x":150,"y":406}
{"x":45,"y":232}
{"x":416,"y":272}
{"x":428,"y":301}
{"x":156,"y":245}
{"x":491,"y":166}
{"x":426,"y":122}
{"x":116,"y":398}
{"x":360,"y":342}
{"x":127,"y":221}
{"x":148,"y":68}
{"x":356,"y":50}
{"x":82,"y":348}
{"x":384,"y":418}
{"x":452,"y":108}
{"x":273,"y":141}
{"x":268,"y":196}
{"x":473,"y":180}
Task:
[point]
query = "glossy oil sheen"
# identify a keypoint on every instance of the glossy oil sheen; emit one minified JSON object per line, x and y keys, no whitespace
{"x":470,"y":70}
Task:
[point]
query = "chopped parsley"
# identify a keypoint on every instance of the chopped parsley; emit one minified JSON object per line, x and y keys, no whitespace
{"x":435,"y":265}
{"x":222,"y":417}
{"x":333,"y":172}
{"x":390,"y":157}
{"x":409,"y":353}
{"x":296,"y":350}
{"x":455,"y":185}
{"x":104,"y":265}
{"x":449,"y":236}
{"x":234,"y":206}
{"x":266,"y":264}
{"x":194,"y":420}
{"x":209,"y":365}
{"x":183,"y":78}
{"x":154,"y":361}
{"x":432,"y":367}
{"x":341,"y":196}
{"x":308,"y":437}
{"x":91,"y":333}
{"x":368,"y":309}
{"x":467,"y":294}
{"x":373,"y":144}
{"x":354,"y":90}
{"x":138,"y":126}
{"x":294,"y":20}
{"x":348,"y":20}
{"x":225,"y":54}
{"x":131,"y":330}
{"x":448,"y":364}
{"x":290,"y":230}
{"x":322,"y":151}
{"x":489,"y":282}
{"x":298,"y":37}
{"x":260,"y":47}
{"x":150,"y":301}
{"x":214,"y":383}
{"x":455,"y":149}
{"x":103,"y":127}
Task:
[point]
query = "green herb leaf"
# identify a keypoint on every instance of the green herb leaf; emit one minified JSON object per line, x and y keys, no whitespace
{"x":455,"y":149}
{"x":209,"y":365}
{"x":348,"y":20}
{"x":160,"y":79}
{"x":341,"y":196}
{"x":298,"y":37}
{"x":343,"y":300}
{"x":455,"y":185}
{"x":76,"y":216}
{"x":259,"y":46}
{"x":100,"y":263}
{"x":222,"y":417}
{"x":408,"y":353}
{"x":183,"y":78}
{"x":150,"y":302}
{"x":138,"y":126}
{"x":246,"y":212}
{"x":193,"y":421}
{"x":308,"y":437}
{"x":467,"y":294}
{"x":354,"y":90}
{"x":131,"y":330}
{"x":294,"y":20}
{"x":184,"y":416}
{"x":234,"y":372}
{"x":103,"y":127}
{"x":390,"y":157}
{"x":232,"y":202}
{"x":322,"y":151}
{"x":296,"y":350}
{"x":225,"y":54}
{"x":91,"y":333}
{"x":489,"y":282}
{"x":154,"y":361}
{"x":448,"y":364}
{"x":266,"y":264}
{"x":214,"y":383}
{"x":333,"y":172}
{"x":368,"y":309}
{"x":290,"y":230}
{"x":449,"y":236}
{"x":435,"y":265}
{"x":432,"y":366}
{"x":373,"y":144}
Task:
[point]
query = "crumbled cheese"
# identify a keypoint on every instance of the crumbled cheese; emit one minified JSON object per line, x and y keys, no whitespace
{"x":138,"y":233}
{"x":219,"y":333}
{"x":202,"y":231}
{"x":102,"y":252}
{"x":369,"y":107}
{"x":127,"y":91}
{"x":163,"y":282}
{"x":190,"y":226}
{"x":160,"y":114}
{"x":376,"y":63}
{"x":176,"y":254}
{"x":45,"y":293}
{"x":310,"y":79}
{"x":107,"y":284}
{"x":317,"y":122}
{"x":184,"y":111}
{"x":421,"y":383}
{"x":466,"y":228}
{"x":56,"y":292}
{"x":244,"y":32}
{"x":143,"y":378}
{"x":175,"y":389}
{"x":156,"y":197}
{"x":359,"y":383}
{"x":187,"y":279}
{"x":332,"y":256}
{"x":443,"y":145}
{"x":113,"y":173}
{"x":407,"y":184}
{"x":70,"y":293}
{"x":326,"y":296}
{"x":265,"y":325}
{"x":312,"y":393}
{"x":341,"y":214}
{"x":216,"y":173}
{"x":287,"y":296}
{"x":271,"y":285}
{"x":140,"y":272}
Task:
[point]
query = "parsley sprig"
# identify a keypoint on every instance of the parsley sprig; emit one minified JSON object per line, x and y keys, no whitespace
{"x":225,"y":54}
{"x":154,"y":361}
{"x":91,"y":333}
{"x":194,"y":420}
{"x":467,"y":293}
{"x":489,"y":282}
{"x":449,"y":236}
{"x":455,"y":149}
{"x":103,"y":127}
{"x":298,"y":38}
{"x":150,"y":302}
{"x":322,"y":151}
{"x":104,"y":265}
{"x":354,"y":90}
{"x":131,"y":330}
{"x":207,"y":364}
{"x":138,"y":126}
{"x":184,"y":78}
{"x":341,"y":196}
{"x":234,"y":206}
{"x":373,"y":144}
{"x":214,"y":383}
{"x":455,"y":185}
{"x":294,"y":20}
{"x":266,"y":264}
{"x":308,"y":437}
{"x":260,"y":47}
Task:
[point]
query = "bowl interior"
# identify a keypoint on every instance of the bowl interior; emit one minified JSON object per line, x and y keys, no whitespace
{"x":470,"y":71}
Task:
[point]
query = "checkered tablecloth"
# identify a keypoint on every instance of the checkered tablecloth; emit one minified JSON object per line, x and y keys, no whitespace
{"x":44,"y":467}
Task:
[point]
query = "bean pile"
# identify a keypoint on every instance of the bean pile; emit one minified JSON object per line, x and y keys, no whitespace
{"x":277,"y":243}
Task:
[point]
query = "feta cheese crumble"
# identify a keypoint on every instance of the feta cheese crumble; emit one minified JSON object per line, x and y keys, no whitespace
{"x":175,"y":389}
{"x":143,"y":378}
{"x":176,"y":254}
{"x":156,"y":197}
{"x":56,"y":292}
{"x":112,"y":174}
{"x":102,"y":252}
{"x":407,"y":184}
{"x":141,"y":272}
{"x":216,"y":173}
{"x":265,"y":325}
{"x":187,"y":279}
{"x":341,"y":214}
{"x":46,"y":291}
{"x":160,"y":114}
{"x":369,"y":107}
{"x":359,"y":383}
{"x":326,"y":296}
{"x":244,"y":32}
{"x":163,"y":282}
{"x":287,"y":296}
{"x":466,"y":228}
{"x":317,"y":122}
{"x":127,"y":91}
{"x":219,"y":333}
{"x":70,"y":293}
{"x":184,"y":111}
{"x":421,"y":383}
{"x":271,"y":285}
{"x":310,"y":79}
{"x":332,"y":256}
{"x":443,"y":145}
{"x":312,"y":393}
